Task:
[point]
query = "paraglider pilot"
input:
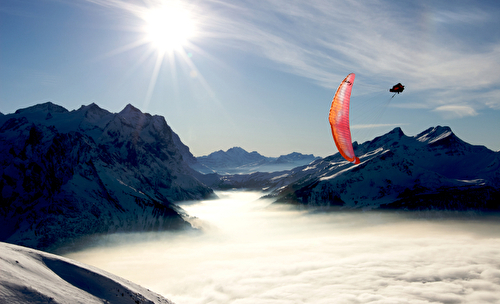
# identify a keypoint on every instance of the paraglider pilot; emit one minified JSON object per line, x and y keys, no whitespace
{"x":398,"y":88}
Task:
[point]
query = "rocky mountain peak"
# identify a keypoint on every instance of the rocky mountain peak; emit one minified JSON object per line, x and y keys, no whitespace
{"x":130,"y":111}
{"x":93,"y":109}
{"x":397,"y":131}
{"x":43,"y":108}
{"x":92,"y":114}
{"x":384,"y":141}
{"x":236,"y":150}
{"x":434,"y":134}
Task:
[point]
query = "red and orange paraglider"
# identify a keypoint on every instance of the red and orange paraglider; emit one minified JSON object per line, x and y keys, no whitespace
{"x":339,"y":119}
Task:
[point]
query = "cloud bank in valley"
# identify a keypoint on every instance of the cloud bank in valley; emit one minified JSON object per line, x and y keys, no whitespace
{"x":252,"y":254}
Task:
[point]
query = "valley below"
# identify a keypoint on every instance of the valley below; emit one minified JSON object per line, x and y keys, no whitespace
{"x":248,"y":250}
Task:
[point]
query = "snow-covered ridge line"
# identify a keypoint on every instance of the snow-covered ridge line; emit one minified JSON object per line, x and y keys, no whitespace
{"x":32,"y":276}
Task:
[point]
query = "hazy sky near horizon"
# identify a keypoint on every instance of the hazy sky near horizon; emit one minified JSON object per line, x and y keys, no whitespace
{"x":260,"y":74}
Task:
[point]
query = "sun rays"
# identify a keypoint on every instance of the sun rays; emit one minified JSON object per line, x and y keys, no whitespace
{"x":168,"y":29}
{"x":166,"y":32}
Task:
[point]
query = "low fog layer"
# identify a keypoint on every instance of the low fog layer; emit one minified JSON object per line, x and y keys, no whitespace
{"x":250,"y":252}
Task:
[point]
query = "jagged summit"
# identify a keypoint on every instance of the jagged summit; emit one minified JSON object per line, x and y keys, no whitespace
{"x":240,"y":152}
{"x":397,"y":131}
{"x":92,"y":108}
{"x":44,"y":108}
{"x":294,"y":156}
{"x":130,"y":109}
{"x":434,"y":134}
{"x":134,"y":116}
{"x":395,"y":134}
{"x":233,"y":157}
{"x":236,"y":150}
{"x":93,"y":112}
{"x":391,"y":138}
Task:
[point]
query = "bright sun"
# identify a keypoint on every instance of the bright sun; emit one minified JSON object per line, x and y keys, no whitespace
{"x":169,"y":27}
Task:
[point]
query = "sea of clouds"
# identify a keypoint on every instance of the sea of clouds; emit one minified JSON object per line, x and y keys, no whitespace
{"x":248,"y":251}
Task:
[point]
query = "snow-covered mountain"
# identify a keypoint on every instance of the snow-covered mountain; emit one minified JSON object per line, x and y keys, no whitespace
{"x":238,"y":161}
{"x":432,"y":170}
{"x":64,"y":174}
{"x":32,"y":276}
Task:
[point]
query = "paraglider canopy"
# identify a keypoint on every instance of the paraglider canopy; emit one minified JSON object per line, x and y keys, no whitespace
{"x":339,"y":119}
{"x":398,"y":88}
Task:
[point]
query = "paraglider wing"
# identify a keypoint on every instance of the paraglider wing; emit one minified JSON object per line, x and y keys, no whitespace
{"x":339,"y":119}
{"x":398,"y":88}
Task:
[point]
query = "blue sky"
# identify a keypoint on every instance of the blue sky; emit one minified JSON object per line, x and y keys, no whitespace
{"x":261,"y":74}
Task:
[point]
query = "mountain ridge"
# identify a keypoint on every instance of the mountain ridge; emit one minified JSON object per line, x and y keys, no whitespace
{"x":394,"y":168}
{"x":238,"y":160}
{"x":66,"y":174}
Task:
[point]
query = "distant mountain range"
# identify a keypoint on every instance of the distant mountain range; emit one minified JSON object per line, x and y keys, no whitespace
{"x":432,"y":170}
{"x":237,"y":160}
{"x":66,"y":174}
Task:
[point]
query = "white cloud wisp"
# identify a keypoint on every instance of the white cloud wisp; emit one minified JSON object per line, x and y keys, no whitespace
{"x":416,"y":44}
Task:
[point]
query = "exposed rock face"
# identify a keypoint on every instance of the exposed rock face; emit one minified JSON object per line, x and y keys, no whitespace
{"x":68,"y":174}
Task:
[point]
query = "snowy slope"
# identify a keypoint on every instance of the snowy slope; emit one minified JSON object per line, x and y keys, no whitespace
{"x":66,"y":174}
{"x":32,"y":276}
{"x":238,"y":161}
